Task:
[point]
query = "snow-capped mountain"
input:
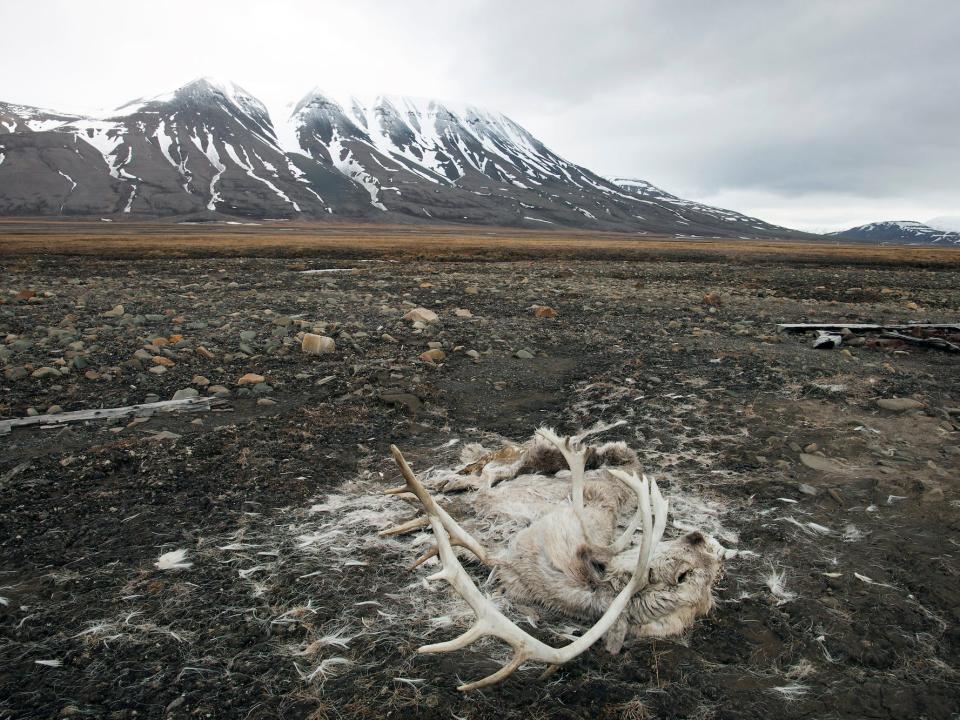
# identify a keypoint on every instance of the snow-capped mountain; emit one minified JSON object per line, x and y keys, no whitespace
{"x":208,"y":146}
{"x":900,"y":232}
{"x":210,"y":149}
{"x":433,"y":160}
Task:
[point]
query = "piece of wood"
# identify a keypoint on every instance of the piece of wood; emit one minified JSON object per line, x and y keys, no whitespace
{"x":804,"y":327}
{"x":934,"y":342}
{"x":192,"y":404}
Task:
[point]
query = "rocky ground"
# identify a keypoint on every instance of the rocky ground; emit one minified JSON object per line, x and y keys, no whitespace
{"x":289,"y":606}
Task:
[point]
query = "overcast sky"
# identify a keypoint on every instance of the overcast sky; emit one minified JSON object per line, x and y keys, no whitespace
{"x":815,"y":115}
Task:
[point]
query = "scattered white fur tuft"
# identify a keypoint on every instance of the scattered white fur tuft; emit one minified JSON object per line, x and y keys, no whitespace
{"x":851,"y":533}
{"x":776,"y":582}
{"x":49,"y":663}
{"x":811,"y":528}
{"x":324,"y":670}
{"x":173,"y":560}
{"x":339,"y":637}
{"x":793,"y":691}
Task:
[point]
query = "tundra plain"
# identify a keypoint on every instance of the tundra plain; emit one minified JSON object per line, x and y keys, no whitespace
{"x":289,"y":605}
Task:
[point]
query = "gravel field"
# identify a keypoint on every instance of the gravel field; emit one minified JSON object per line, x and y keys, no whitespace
{"x":291,"y":606}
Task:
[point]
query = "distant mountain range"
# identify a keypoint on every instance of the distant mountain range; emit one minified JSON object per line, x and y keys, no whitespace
{"x":210,"y":149}
{"x":900,"y":232}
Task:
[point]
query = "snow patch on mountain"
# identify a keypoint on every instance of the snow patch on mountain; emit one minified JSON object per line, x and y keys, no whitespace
{"x":344,"y":161}
{"x":212,"y":155}
{"x":248,"y":168}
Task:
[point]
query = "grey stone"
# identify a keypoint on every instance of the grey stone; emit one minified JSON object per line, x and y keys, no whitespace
{"x":818,"y":462}
{"x":408,"y":400}
{"x":15,"y":373}
{"x":899,"y":404}
{"x":45,"y":372}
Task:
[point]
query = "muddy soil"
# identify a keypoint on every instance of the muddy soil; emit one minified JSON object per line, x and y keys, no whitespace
{"x":290,"y":607}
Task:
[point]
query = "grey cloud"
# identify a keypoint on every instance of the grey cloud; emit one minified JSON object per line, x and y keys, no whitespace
{"x":852,"y":97}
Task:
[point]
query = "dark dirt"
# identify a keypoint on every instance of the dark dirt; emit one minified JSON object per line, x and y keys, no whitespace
{"x":865,"y":625}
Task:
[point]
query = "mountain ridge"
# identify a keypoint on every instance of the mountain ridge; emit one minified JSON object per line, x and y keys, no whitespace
{"x":211,"y":148}
{"x":900,"y":232}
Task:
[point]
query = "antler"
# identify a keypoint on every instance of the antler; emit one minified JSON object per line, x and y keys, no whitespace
{"x":491,"y":622}
{"x":576,"y":456}
{"x":458,"y":536}
{"x":636,"y":484}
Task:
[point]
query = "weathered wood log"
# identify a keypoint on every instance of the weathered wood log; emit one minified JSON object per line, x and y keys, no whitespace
{"x":804,"y":327}
{"x":192,"y":404}
{"x":933,"y":342}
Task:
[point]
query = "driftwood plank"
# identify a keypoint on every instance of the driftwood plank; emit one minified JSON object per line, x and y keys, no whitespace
{"x":804,"y":327}
{"x":186,"y":404}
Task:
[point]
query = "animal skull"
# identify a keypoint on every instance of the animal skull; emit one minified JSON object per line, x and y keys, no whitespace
{"x":571,"y":555}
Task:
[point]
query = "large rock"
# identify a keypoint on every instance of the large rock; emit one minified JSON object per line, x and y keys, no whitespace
{"x":421,"y":315}
{"x":317,"y":344}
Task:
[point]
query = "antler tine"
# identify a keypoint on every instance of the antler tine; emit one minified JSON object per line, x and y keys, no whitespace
{"x":598,"y":428}
{"x":492,"y":622}
{"x":576,"y":456}
{"x":459,"y":536}
{"x":650,"y":504}
{"x":405,"y":527}
{"x":633,"y":482}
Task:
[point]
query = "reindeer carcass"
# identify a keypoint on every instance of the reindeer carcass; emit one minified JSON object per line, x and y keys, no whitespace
{"x":567,"y":544}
